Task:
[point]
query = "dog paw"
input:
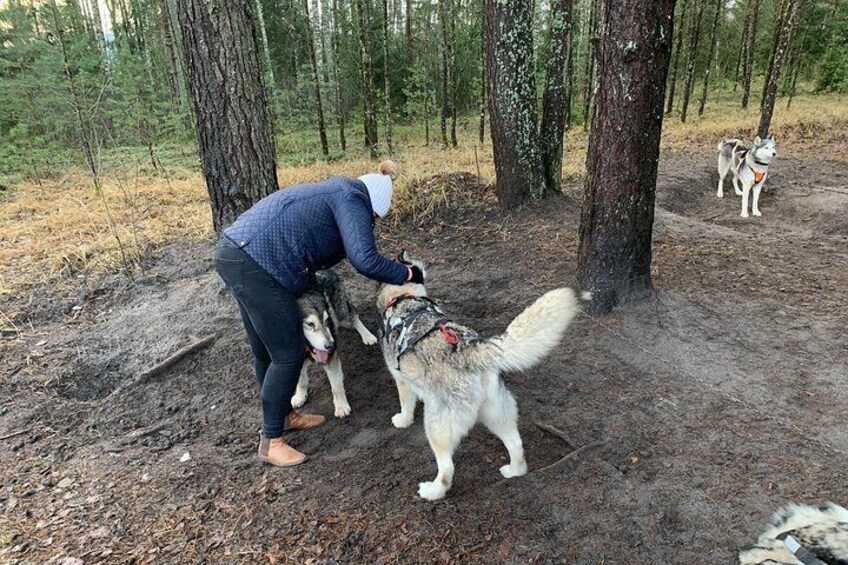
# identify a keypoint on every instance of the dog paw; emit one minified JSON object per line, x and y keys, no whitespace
{"x":514,"y":470}
{"x":720,"y":195}
{"x":401,"y":420}
{"x":744,"y":214}
{"x":342,"y":410}
{"x":431,"y":491}
{"x":738,"y":192}
{"x":298,"y":400}
{"x":369,"y":339}
{"x":757,"y":213}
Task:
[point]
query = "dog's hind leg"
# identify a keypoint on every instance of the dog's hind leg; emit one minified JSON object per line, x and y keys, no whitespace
{"x":367,"y":337}
{"x":755,"y":205}
{"x":722,"y":173}
{"x":445,"y":429}
{"x":746,"y":190}
{"x":302,"y":391}
{"x":736,"y":188}
{"x":499,"y":414}
{"x":336,"y":377}
{"x":408,"y":398}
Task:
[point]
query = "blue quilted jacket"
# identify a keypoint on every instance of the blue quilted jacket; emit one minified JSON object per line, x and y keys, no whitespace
{"x":294,"y":232}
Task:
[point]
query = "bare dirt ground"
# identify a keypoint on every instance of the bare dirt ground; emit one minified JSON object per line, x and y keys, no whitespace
{"x":718,"y":400}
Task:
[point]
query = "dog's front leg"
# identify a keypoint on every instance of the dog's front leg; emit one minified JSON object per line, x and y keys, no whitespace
{"x":302,"y":391}
{"x":367,"y":337}
{"x":746,"y":190}
{"x":408,"y":398}
{"x":736,"y":188}
{"x":336,"y":377}
{"x":755,"y":205}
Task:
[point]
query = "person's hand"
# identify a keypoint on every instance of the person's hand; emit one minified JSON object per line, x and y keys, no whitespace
{"x":415,"y":275}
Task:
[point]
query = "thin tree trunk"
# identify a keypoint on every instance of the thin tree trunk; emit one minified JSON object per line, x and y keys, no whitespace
{"x":713,"y":41}
{"x":234,"y":135}
{"x":614,"y":256}
{"x":340,"y":114}
{"x":387,"y":84}
{"x":779,"y":17}
{"x":454,"y":86}
{"x":446,"y":109}
{"x":742,"y":49}
{"x":482,"y":128}
{"x":786,"y":32}
{"x":266,"y":56}
{"x":408,"y":35}
{"x":748,"y":62}
{"x":316,"y":80}
{"x":591,"y":39}
{"x":555,"y":101}
{"x":678,"y":49}
{"x":367,"y":75}
{"x":692,"y":60}
{"x":512,"y":101}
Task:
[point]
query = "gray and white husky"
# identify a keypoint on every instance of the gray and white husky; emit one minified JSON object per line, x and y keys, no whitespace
{"x":749,"y":167}
{"x":800,"y":534}
{"x":325,"y":307}
{"x":457,"y":373}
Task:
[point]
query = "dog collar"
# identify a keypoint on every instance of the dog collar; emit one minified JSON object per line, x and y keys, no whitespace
{"x":800,"y":552}
{"x":760,"y":163}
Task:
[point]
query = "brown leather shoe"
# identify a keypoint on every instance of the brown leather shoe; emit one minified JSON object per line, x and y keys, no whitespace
{"x":277,"y":452}
{"x":300,"y":421}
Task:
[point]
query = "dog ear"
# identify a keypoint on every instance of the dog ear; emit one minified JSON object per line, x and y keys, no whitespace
{"x":757,"y":140}
{"x":404,"y":258}
{"x":771,"y":137}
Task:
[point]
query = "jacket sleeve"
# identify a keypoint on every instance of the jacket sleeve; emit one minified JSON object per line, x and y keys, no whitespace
{"x":353,"y":217}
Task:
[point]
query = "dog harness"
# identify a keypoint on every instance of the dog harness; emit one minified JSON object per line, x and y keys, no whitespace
{"x":414,"y":326}
{"x":758,"y":175}
{"x":800,"y":552}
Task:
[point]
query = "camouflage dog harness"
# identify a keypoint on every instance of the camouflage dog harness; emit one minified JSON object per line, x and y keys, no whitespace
{"x":412,"y":327}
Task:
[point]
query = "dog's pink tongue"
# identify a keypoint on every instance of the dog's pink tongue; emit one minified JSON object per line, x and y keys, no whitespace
{"x":321,"y":356}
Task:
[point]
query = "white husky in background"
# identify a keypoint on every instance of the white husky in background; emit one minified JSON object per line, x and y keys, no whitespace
{"x":749,"y":166}
{"x":458,"y":374}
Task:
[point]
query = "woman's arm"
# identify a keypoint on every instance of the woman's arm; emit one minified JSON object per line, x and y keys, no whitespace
{"x":353,"y":216}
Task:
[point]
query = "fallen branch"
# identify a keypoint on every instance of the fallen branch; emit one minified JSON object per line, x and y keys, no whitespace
{"x":556,"y":432}
{"x":143,"y":432}
{"x":571,"y":456}
{"x":14,"y":434}
{"x":167,"y":363}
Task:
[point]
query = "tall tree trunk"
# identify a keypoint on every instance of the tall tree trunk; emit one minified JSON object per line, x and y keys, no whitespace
{"x":316,"y":79}
{"x":555,"y":101}
{"x":748,"y":62}
{"x":408,"y":35}
{"x":387,"y":83}
{"x":234,"y":133}
{"x":743,"y":44}
{"x":614,"y":257}
{"x":482,"y":127}
{"x":591,"y":60}
{"x":692,"y":60}
{"x":266,"y":56}
{"x":170,"y":51}
{"x":340,"y":112}
{"x":367,"y":74}
{"x":678,"y":49}
{"x":713,"y":41}
{"x":512,"y":101}
{"x":454,"y":83}
{"x":779,"y":17}
{"x":787,"y":29}
{"x":446,"y":81}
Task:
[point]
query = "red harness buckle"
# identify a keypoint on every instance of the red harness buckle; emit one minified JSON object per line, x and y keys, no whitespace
{"x":450,"y":335}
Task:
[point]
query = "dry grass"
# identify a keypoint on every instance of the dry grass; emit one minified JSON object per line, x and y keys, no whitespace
{"x":55,"y":233}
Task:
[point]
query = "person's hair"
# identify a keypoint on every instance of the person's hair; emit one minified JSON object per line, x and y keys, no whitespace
{"x":388,"y":167}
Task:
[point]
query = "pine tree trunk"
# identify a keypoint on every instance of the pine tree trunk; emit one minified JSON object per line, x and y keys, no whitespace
{"x":454,"y":86}
{"x":591,"y":57}
{"x":316,"y":80}
{"x":742,"y":49}
{"x":340,"y":113}
{"x":713,"y":41}
{"x":266,"y":56}
{"x":614,"y":257}
{"x":555,"y":101}
{"x":482,"y":127}
{"x":787,"y":29}
{"x":694,"y":42}
{"x":446,"y":109}
{"x":678,"y":49}
{"x":512,"y":101}
{"x":369,"y":99}
{"x":748,"y":62}
{"x":234,"y":133}
{"x":408,"y":35}
{"x":170,"y":51}
{"x":779,"y":17}
{"x":387,"y":84}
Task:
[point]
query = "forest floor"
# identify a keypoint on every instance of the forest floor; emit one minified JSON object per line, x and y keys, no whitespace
{"x":718,"y":399}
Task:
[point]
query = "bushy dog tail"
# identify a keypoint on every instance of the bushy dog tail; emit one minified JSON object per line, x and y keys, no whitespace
{"x":530,"y":336}
{"x":727,"y":143}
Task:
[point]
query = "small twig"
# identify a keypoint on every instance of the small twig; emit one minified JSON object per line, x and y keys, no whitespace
{"x":547,"y":428}
{"x":571,"y":456}
{"x":14,"y":434}
{"x":143,"y":432}
{"x":167,"y":363}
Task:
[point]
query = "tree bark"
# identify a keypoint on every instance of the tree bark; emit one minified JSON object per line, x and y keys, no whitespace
{"x":713,"y":41}
{"x":316,"y":80}
{"x":779,"y":17}
{"x":340,"y":112}
{"x":234,"y":134}
{"x":787,"y":28}
{"x":692,"y":59}
{"x":591,"y":59}
{"x":742,"y":49}
{"x":512,"y":101}
{"x":556,"y":99}
{"x":369,"y":99}
{"x":387,"y":84}
{"x":446,"y":81}
{"x":678,"y":48}
{"x":748,"y":60}
{"x":408,"y":35}
{"x":266,"y":56}
{"x":482,"y":127}
{"x":614,"y":257}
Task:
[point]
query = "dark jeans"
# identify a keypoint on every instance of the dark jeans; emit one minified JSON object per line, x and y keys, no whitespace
{"x":274,"y":327}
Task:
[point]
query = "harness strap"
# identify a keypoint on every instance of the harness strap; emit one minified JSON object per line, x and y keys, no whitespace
{"x":800,"y":552}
